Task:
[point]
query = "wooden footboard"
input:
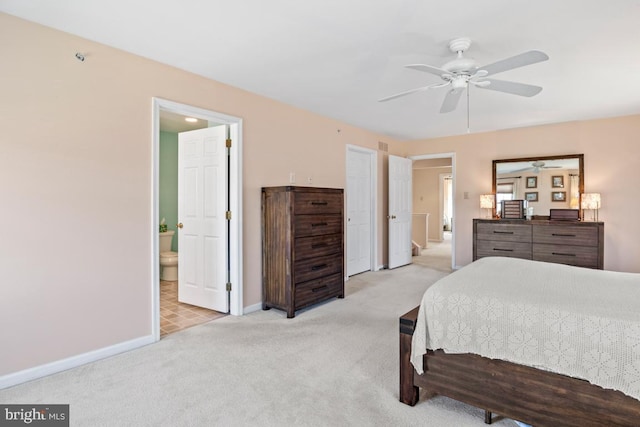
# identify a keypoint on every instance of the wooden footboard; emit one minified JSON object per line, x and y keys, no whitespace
{"x":536,"y":397}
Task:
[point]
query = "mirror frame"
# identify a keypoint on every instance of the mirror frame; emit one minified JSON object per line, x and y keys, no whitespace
{"x":580,"y":158}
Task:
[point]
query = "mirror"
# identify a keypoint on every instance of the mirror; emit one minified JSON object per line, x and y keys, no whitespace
{"x":545,"y":182}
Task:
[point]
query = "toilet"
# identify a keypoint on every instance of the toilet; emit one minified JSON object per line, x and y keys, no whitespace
{"x":168,"y":258}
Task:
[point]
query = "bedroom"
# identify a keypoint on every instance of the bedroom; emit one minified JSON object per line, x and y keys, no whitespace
{"x":82,"y":130}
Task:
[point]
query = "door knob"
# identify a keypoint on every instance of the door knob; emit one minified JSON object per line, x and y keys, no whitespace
{"x":179,"y":225}
{"x":393,"y":217}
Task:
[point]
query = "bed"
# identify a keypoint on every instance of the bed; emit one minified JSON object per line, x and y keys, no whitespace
{"x":545,"y":344}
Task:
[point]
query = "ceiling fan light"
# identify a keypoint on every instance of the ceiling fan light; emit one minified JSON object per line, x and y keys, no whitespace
{"x":459,"y":83}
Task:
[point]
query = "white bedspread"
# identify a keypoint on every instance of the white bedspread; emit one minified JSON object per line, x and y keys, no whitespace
{"x":574,"y":321}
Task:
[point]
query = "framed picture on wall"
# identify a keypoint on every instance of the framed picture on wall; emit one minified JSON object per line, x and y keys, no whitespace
{"x":532,"y":182}
{"x":557,"y":181}
{"x":531,"y":196}
{"x":558,"y":196}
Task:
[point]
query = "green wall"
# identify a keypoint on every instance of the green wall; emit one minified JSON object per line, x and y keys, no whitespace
{"x":168,"y":182}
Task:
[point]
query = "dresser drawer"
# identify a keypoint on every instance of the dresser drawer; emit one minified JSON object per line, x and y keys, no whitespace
{"x":308,"y":247}
{"x":503,"y":248}
{"x":504,"y":232}
{"x":565,"y":235}
{"x":317,"y":203}
{"x":581,"y":256}
{"x":313,"y":268}
{"x":317,"y":225}
{"x":315,"y":290}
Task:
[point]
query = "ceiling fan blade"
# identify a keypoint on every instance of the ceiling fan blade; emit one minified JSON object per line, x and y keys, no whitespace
{"x":480,"y":83}
{"x":512,"y":87}
{"x":527,"y":58}
{"x":409,"y":92}
{"x":428,"y":69}
{"x":451,"y":100}
{"x":522,"y":170}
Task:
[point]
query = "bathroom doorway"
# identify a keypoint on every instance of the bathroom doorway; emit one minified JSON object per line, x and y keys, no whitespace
{"x":168,"y":314}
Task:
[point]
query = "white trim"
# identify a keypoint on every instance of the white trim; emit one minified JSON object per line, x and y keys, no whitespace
{"x":73,"y":362}
{"x":235,"y":202}
{"x":252,"y":308}
{"x":451,"y":156}
{"x":373,"y":155}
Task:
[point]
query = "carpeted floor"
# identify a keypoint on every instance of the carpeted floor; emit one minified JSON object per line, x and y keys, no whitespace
{"x":335,"y":364}
{"x":437,"y":255}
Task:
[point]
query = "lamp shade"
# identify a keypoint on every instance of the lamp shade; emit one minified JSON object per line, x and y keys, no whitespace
{"x":590,"y":201}
{"x":487,"y":201}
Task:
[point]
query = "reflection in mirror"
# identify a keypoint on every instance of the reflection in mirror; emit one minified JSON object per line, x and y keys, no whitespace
{"x":547,"y":182}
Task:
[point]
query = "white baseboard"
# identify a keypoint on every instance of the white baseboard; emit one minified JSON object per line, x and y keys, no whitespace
{"x":20,"y":377}
{"x":252,"y":308}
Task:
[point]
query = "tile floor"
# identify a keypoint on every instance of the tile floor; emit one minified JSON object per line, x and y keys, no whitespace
{"x":176,"y":316}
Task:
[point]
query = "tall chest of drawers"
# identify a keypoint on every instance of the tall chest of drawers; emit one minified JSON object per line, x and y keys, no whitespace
{"x":302,"y":246}
{"x":573,"y":243}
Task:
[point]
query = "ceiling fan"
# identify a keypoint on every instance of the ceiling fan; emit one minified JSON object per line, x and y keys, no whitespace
{"x":461,"y":72}
{"x":536,"y":167}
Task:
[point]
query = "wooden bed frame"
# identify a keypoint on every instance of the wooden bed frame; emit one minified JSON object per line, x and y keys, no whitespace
{"x":530,"y":395}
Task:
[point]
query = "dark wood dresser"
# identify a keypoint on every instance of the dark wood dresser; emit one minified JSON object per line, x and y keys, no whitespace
{"x":563,"y":242}
{"x":302,"y":246}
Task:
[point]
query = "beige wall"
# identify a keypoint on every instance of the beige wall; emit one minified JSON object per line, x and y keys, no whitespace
{"x":610,"y":148}
{"x":75,"y":168}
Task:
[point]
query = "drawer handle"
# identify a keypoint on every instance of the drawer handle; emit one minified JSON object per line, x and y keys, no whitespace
{"x":563,"y":235}
{"x":562,"y":254}
{"x":319,"y":245}
{"x":318,"y":267}
{"x":319,"y":288}
{"x":319,"y":224}
{"x":502,"y":232}
{"x":503,"y":250}
{"x":320,"y":203}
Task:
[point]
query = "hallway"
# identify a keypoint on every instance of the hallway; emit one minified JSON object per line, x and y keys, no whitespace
{"x":436,"y":255}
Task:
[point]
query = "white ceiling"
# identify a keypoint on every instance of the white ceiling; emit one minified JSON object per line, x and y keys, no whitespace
{"x":338,"y":57}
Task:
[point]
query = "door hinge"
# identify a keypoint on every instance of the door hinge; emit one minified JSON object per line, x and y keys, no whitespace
{"x":228,"y":286}
{"x":229,"y":143}
{"x":228,"y":215}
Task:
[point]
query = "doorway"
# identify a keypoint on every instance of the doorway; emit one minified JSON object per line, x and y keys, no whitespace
{"x":233,"y":264}
{"x":434,"y":184}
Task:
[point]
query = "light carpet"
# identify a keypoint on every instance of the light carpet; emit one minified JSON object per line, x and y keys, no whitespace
{"x":335,"y":364}
{"x":437,"y":254}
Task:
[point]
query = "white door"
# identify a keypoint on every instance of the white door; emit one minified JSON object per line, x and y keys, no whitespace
{"x":358,"y":212}
{"x":202,"y":206}
{"x":399,"y":211}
